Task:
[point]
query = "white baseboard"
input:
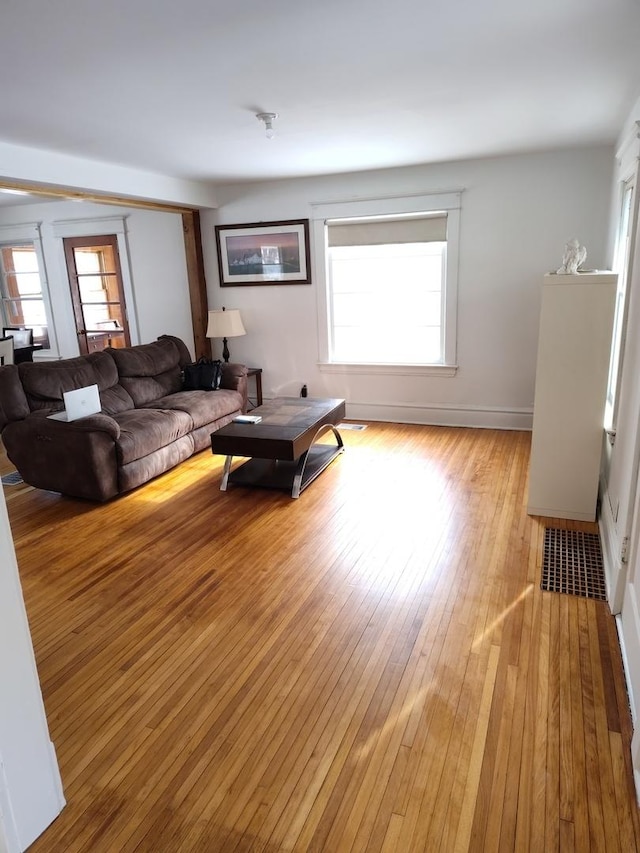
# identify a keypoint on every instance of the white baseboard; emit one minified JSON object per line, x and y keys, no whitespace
{"x":635,"y":751}
{"x":58,"y":789}
{"x":555,"y":512}
{"x":610,"y":552}
{"x":628,"y":625}
{"x":442,"y":414}
{"x":9,"y":838}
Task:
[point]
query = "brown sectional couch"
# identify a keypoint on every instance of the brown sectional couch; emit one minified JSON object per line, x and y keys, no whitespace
{"x":147,"y":425}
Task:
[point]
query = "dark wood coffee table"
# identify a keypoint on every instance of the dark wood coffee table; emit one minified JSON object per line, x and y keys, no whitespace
{"x":283,"y":448}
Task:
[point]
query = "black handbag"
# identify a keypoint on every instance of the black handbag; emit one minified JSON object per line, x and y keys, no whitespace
{"x":203,"y":375}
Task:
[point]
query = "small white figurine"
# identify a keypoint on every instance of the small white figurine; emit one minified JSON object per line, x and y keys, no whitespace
{"x":574,"y":256}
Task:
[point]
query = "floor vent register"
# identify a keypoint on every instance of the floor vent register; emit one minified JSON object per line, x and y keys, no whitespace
{"x":572,"y":563}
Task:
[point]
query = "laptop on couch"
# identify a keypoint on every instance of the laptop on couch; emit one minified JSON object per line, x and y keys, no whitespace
{"x":79,"y":404}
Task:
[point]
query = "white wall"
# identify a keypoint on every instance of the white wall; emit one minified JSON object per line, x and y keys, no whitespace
{"x":159,"y":275}
{"x":30,"y":787}
{"x":517,"y":214}
{"x":157,"y":268}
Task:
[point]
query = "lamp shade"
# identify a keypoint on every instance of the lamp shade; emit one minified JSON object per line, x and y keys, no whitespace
{"x":225,"y":324}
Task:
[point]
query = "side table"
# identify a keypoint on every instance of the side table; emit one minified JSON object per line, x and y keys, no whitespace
{"x":256,"y":372}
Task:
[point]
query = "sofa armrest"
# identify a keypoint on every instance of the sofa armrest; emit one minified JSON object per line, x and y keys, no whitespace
{"x":234,"y":378}
{"x":91,"y":423}
{"x":76,"y":458}
{"x":13,"y":401}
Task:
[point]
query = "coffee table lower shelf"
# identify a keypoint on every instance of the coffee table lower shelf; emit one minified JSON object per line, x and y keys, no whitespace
{"x":282,"y":474}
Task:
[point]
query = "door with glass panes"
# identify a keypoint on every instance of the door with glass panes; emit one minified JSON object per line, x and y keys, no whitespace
{"x":95,"y":279}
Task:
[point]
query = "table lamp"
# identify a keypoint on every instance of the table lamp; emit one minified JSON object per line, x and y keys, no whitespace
{"x":225,"y":324}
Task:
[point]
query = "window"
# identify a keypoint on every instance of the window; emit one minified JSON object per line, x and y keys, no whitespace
{"x":390,"y":282}
{"x":23,"y":297}
{"x":385,"y":284}
{"x":621,"y":266}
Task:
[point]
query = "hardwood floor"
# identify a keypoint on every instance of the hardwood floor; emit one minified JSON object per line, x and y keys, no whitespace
{"x":372,"y":667}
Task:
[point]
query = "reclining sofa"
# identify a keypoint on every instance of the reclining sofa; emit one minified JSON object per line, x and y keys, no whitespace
{"x":147,"y":425}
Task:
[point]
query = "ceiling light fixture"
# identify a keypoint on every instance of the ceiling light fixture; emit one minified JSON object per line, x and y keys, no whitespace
{"x":268,"y":119}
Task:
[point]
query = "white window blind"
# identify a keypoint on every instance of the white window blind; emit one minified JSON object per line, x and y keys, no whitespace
{"x":377,"y":232}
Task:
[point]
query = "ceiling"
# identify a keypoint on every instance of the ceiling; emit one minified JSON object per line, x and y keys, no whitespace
{"x":174,"y":87}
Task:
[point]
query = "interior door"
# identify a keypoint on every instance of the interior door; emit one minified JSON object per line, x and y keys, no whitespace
{"x":97,"y":293}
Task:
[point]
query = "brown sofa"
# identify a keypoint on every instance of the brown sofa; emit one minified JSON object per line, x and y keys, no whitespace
{"x":147,"y":425}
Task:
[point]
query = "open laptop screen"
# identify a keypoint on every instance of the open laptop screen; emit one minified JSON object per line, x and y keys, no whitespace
{"x":79,"y":404}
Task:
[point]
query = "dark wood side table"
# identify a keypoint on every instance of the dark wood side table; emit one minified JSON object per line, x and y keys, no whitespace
{"x":256,"y":372}
{"x":21,"y":354}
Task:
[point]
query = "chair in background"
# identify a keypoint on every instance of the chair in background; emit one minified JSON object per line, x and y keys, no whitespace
{"x":23,"y":346}
{"x":6,"y":350}
{"x":21,"y":337}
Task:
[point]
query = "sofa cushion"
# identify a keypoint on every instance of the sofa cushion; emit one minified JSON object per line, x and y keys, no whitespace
{"x":143,"y":431}
{"x":142,"y":470}
{"x":204,"y":407}
{"x":183,"y":351}
{"x":148,"y":371}
{"x":45,"y":382}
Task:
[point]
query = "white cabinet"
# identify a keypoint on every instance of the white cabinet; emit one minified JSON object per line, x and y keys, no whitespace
{"x":574,"y":345}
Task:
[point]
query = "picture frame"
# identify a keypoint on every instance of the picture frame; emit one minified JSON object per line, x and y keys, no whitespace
{"x":264,"y":253}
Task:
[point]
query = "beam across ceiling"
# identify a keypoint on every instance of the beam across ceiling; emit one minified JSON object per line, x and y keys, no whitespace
{"x":191,"y":235}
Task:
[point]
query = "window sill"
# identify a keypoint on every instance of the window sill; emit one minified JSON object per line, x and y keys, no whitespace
{"x":389,"y":369}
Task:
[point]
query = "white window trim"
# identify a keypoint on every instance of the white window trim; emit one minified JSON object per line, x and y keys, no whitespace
{"x":96,"y":228}
{"x":388,"y":369}
{"x":29,"y":232}
{"x":628,"y":169}
{"x":449,"y":201}
{"x":627,"y":154}
{"x":624,"y":276}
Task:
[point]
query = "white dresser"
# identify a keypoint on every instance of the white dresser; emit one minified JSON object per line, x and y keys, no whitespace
{"x":574,"y":345}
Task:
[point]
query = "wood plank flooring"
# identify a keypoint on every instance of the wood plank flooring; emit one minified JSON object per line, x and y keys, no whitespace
{"x":372,"y":667}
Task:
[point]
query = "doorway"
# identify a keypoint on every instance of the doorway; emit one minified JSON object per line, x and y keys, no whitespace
{"x":97,"y":292}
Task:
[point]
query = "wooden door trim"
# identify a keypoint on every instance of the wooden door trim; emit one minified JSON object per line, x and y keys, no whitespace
{"x":197,"y":281}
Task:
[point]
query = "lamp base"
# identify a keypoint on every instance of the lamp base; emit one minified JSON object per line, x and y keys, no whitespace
{"x":225,"y":350}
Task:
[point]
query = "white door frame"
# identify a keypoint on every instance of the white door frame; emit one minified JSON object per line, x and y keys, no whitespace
{"x":31,"y":794}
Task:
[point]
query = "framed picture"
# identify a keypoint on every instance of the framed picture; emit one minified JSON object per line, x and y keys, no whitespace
{"x":264,"y":253}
